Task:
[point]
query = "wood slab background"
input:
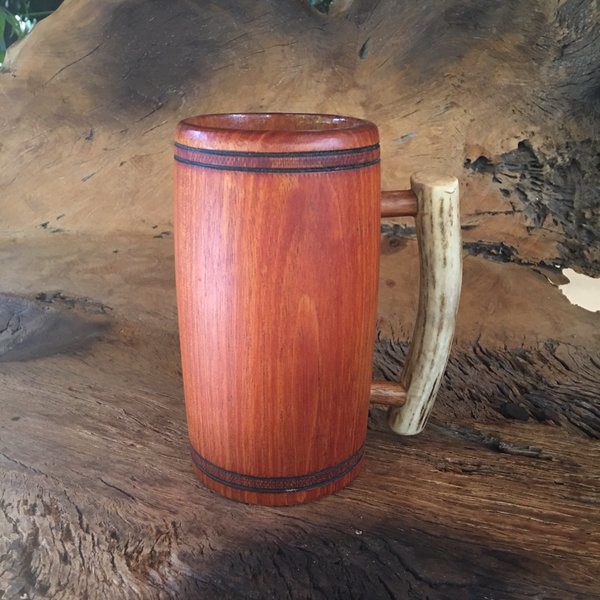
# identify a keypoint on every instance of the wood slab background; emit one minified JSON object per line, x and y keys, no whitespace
{"x":498,"y":498}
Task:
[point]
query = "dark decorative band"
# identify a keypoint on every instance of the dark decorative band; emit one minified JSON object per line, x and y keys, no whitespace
{"x":303,"y":154}
{"x":278,"y":162}
{"x":277,"y":485}
{"x":277,"y":170}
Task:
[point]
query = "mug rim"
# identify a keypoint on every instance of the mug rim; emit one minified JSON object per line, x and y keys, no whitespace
{"x":255,"y":121}
{"x":268,"y":131}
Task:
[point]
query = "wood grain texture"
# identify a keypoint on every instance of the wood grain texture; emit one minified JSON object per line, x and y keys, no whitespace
{"x":387,"y":393}
{"x":499,"y":496}
{"x":436,"y":78}
{"x":276,"y":302}
{"x":398,"y":203}
{"x":440,"y":259}
{"x":98,"y":498}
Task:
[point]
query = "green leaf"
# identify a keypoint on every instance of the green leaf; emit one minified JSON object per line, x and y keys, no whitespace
{"x":9,"y":18}
{"x":2,"y":26}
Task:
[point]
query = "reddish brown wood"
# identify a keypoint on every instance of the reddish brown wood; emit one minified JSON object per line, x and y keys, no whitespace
{"x":388,"y":393}
{"x":398,"y":203}
{"x":277,"y":259}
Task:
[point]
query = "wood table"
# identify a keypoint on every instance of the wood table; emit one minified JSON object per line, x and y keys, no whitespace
{"x":98,"y":498}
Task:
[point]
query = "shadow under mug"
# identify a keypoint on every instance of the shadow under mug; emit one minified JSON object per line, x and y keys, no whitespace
{"x":277,"y":239}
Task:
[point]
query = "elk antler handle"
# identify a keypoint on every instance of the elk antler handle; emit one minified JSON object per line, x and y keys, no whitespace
{"x":440,"y":250}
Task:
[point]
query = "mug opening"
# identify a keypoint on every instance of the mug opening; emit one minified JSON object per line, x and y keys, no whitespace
{"x":285,"y":122}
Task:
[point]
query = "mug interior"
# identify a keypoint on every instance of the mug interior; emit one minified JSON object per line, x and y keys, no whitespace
{"x":276,"y":132}
{"x":289,"y":122}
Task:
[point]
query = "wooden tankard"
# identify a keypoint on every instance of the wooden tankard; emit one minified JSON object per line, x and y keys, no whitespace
{"x":277,"y":234}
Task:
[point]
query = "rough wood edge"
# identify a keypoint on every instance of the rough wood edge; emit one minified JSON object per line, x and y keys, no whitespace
{"x":438,"y":233}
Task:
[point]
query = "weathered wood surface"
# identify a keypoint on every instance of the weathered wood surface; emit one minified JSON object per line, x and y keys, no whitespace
{"x":497,"y":498}
{"x":500,"y":94}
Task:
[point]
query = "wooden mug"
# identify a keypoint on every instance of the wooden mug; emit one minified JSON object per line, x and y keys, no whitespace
{"x":277,"y":237}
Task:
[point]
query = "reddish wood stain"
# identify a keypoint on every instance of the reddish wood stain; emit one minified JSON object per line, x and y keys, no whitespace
{"x":277,"y":275}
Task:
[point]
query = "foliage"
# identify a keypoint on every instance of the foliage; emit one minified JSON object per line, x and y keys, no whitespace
{"x":9,"y":27}
{"x":17,"y":18}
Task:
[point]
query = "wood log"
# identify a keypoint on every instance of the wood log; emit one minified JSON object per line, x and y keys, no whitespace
{"x":498,"y":497}
{"x":99,"y":497}
{"x":443,"y":83}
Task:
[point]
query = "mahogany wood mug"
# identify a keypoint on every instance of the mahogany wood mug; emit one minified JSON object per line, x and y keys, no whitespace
{"x":277,"y":237}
